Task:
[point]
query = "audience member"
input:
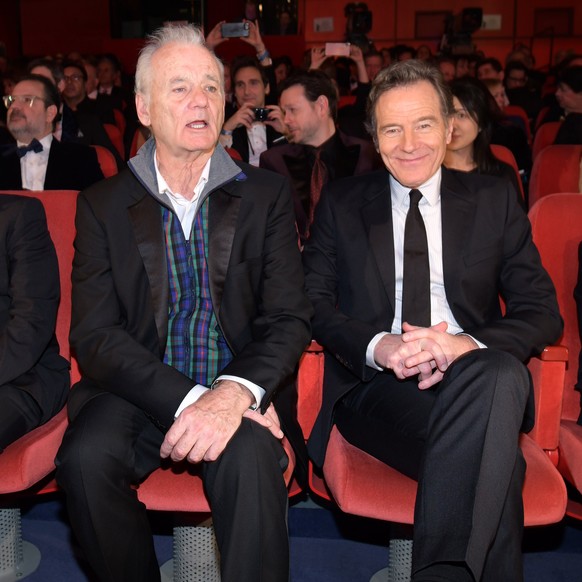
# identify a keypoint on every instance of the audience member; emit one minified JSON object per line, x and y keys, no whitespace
{"x":405,"y":378}
{"x":519,"y":92}
{"x":34,"y":379}
{"x":423,"y":53}
{"x":569,"y":96}
{"x":508,"y":131}
{"x":447,"y":67}
{"x":469,"y":149}
{"x":253,"y":128}
{"x":39,"y":161}
{"x":489,"y":69}
{"x":318,"y":153}
{"x":374,"y":63}
{"x":92,"y":81}
{"x":186,"y":275}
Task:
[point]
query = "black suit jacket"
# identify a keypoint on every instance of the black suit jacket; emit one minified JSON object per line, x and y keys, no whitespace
{"x":120,"y":289}
{"x":487,"y":253}
{"x":70,"y":167}
{"x":355,"y":157}
{"x":240,"y":141}
{"x":29,"y":298}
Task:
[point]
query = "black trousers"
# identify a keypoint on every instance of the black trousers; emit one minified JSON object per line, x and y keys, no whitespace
{"x":460,"y":441}
{"x":111,"y":444}
{"x":19,"y":414}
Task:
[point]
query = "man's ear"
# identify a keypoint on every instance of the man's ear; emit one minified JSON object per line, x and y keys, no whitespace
{"x":51,"y":113}
{"x":143,"y":110}
{"x":322,"y":104}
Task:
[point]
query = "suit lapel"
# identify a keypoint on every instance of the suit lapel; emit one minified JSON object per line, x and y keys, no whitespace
{"x":222,"y":219}
{"x":377,"y":217}
{"x":457,"y":215}
{"x":146,"y":219}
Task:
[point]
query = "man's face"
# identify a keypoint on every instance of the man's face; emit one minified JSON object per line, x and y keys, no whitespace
{"x":185,"y":104}
{"x":516,"y":78}
{"x":106,"y":73}
{"x":74,"y":84}
{"x":487,"y":71}
{"x":249,"y":87}
{"x":373,"y":66}
{"x":447,"y":70}
{"x":26,"y":122}
{"x":302,"y":117}
{"x":412,"y":133}
{"x":568,"y":99}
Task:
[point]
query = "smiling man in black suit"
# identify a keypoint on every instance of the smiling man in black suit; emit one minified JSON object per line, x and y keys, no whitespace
{"x":405,"y":268}
{"x":39,"y":161}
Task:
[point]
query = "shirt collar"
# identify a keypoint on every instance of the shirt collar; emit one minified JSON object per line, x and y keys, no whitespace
{"x":46,"y":142}
{"x":431,"y":190}
{"x":163,"y":187}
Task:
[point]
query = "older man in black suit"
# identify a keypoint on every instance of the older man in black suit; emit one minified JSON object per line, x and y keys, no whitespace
{"x":186,"y":277}
{"x":39,"y":161}
{"x":34,"y":379}
{"x":405,"y":269}
{"x":318,"y":153}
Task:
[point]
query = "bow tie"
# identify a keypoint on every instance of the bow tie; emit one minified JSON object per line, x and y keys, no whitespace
{"x":34,"y":146}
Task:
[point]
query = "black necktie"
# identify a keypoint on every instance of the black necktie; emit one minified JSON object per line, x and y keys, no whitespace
{"x":416,"y":277}
{"x":34,"y":146}
{"x":318,"y":179}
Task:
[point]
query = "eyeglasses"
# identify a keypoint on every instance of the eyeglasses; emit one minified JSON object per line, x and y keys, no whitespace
{"x":73,"y":78}
{"x":24,"y":100}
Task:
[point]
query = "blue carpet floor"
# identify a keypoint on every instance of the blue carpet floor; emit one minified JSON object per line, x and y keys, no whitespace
{"x":326,"y":546}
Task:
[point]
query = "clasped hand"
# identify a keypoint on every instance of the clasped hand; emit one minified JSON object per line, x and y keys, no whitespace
{"x":425,"y":352}
{"x":203,"y":429}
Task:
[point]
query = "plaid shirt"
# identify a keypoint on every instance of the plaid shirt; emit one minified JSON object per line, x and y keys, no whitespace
{"x":196,"y":346}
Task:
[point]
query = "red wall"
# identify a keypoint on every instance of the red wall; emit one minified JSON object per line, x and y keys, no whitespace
{"x":58,"y":26}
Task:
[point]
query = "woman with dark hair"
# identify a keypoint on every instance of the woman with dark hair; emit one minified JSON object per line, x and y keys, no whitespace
{"x":469,"y":149}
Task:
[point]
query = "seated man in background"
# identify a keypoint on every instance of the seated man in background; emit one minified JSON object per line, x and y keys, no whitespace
{"x":405,"y":268}
{"x":39,"y":161}
{"x":318,"y":152}
{"x":248,"y":131}
{"x":569,"y":96}
{"x":34,"y":378}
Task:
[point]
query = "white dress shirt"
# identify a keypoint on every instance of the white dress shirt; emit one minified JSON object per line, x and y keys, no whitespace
{"x":430,"y":209}
{"x":186,"y":211}
{"x":33,"y":165}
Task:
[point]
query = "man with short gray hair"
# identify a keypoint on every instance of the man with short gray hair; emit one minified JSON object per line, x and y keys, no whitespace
{"x":405,"y":268}
{"x":188,"y":316}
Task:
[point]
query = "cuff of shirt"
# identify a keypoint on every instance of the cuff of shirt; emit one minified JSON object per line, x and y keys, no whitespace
{"x":480,"y":344}
{"x":191,"y":397}
{"x":370,"y":362}
{"x":256,"y":390}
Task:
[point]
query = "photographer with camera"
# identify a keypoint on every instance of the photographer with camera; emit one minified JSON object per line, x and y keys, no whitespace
{"x":254,"y":126}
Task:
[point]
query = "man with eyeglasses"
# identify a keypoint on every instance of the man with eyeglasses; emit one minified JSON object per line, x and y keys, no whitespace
{"x":38,"y":161}
{"x":87,"y":115}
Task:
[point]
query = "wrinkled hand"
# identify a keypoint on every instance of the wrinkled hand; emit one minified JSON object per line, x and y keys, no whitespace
{"x":244,"y":115}
{"x":317,"y":57}
{"x":203,"y":429}
{"x":276,"y":119}
{"x":269,"y":420}
{"x":215,"y":37}
{"x":437,"y":348}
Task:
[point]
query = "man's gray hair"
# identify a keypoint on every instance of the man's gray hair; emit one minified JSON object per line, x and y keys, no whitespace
{"x":185,"y":34}
{"x":403,"y":74}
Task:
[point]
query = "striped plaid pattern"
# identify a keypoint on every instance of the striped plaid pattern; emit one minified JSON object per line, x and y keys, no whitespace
{"x":196,"y":346}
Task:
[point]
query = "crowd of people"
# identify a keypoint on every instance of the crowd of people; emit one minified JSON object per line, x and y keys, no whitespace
{"x":354,"y":200}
